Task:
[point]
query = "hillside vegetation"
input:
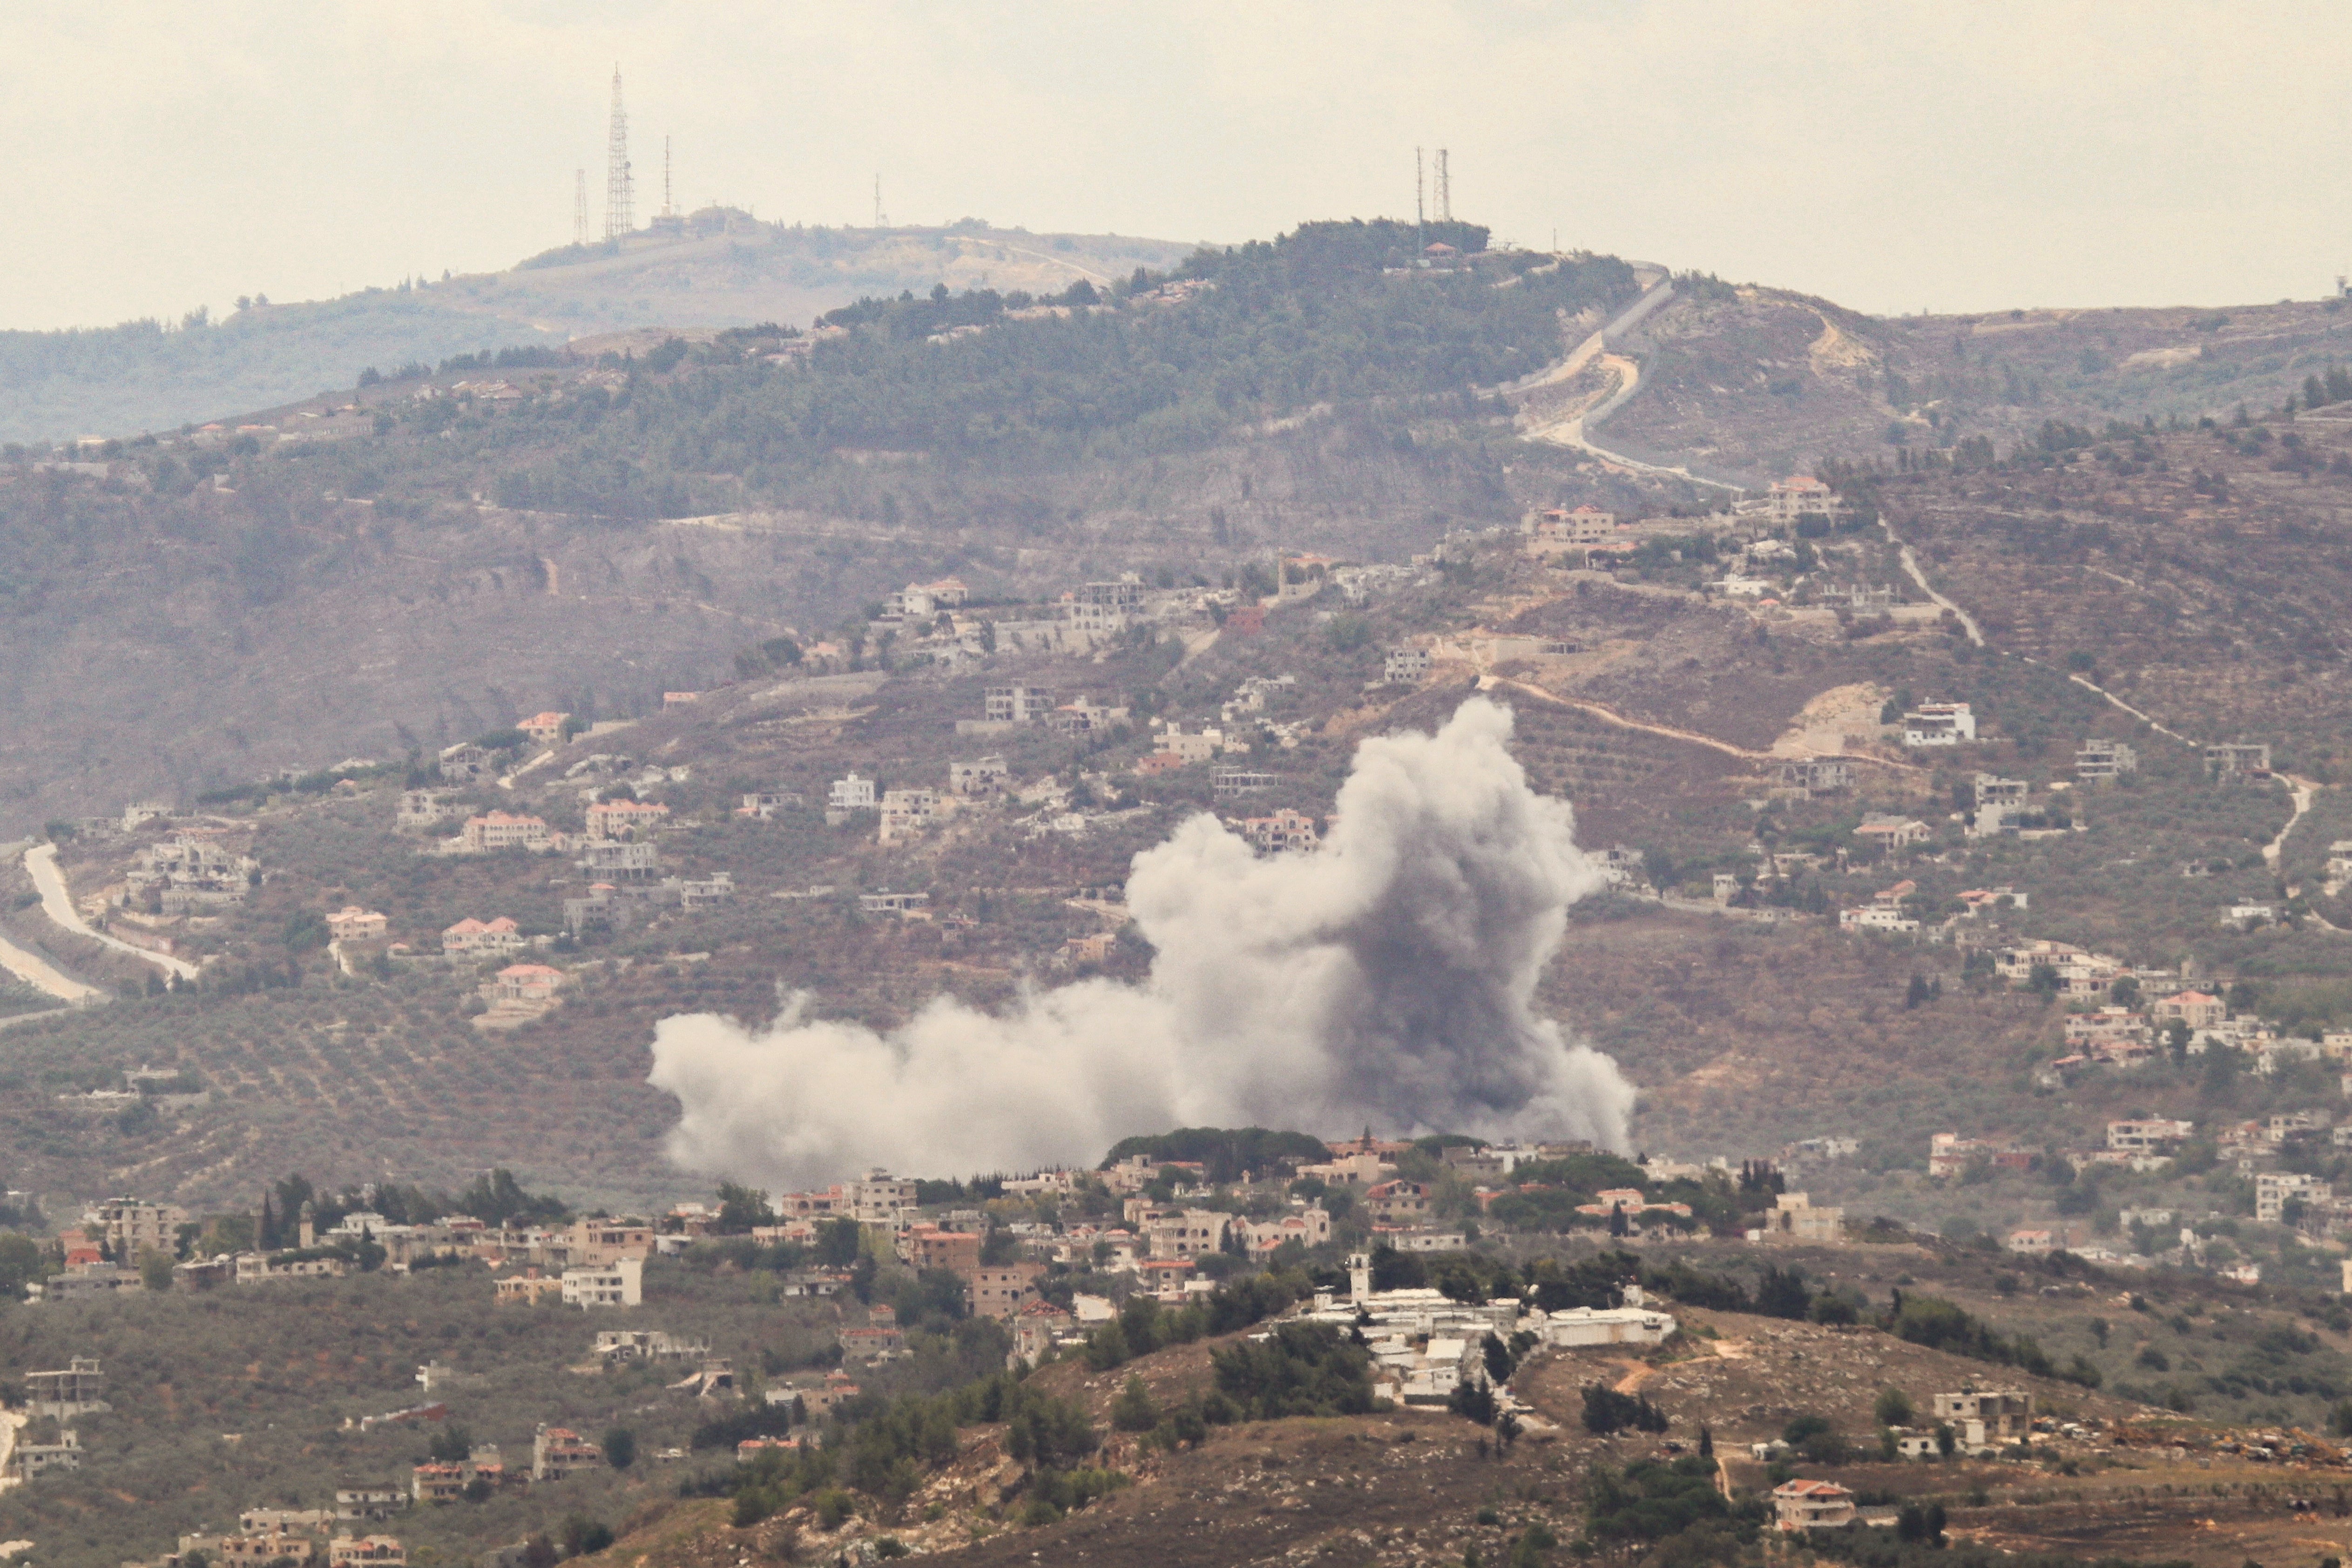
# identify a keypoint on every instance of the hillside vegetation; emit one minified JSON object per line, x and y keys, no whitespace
{"x":719,"y":269}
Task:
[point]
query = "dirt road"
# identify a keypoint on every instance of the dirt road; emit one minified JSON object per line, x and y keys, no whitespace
{"x":1610,"y":716}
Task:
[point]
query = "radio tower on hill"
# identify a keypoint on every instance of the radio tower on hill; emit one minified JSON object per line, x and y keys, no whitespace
{"x":618,"y":190}
{"x":1444,"y":190}
{"x":579,"y":206}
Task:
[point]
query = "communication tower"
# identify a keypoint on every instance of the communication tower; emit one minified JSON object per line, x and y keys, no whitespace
{"x":579,"y":206}
{"x":1420,"y":207}
{"x":668,"y":211}
{"x":879,"y":221}
{"x":1444,"y":190}
{"x":618,"y":190}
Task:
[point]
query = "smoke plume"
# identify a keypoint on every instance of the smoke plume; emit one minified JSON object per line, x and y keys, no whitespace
{"x":1385,"y":978}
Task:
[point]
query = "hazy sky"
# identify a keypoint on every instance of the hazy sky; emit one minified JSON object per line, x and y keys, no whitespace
{"x":1888,"y":155}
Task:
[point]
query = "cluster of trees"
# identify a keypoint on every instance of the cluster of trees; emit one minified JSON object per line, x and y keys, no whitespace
{"x":495,"y":1198}
{"x":1222,"y":1152}
{"x":1143,"y":1325}
{"x":1318,"y":316}
{"x":1564,"y":1186}
{"x":886,"y":1450}
{"x":1606,"y":1411}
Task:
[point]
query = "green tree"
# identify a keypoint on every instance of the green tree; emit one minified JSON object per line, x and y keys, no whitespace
{"x":740,"y":1208}
{"x":1893,"y":1407}
{"x":1134,"y":1410}
{"x":155,"y":1271}
{"x":20,"y":1263}
{"x":620,"y":1447}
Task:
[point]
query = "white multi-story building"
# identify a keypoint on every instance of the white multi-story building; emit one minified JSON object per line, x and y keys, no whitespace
{"x":619,"y":1283}
{"x":2273,"y":1189}
{"x":2098,"y":759}
{"x":2148,"y":1134}
{"x":1938,"y":725}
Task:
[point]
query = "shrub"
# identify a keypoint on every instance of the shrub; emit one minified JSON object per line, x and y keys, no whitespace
{"x":1302,"y":1369}
{"x":1650,"y":1500}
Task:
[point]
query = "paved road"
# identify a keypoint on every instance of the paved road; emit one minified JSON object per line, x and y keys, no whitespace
{"x":1572,"y":430}
{"x":57,"y":902}
{"x":42,"y":975}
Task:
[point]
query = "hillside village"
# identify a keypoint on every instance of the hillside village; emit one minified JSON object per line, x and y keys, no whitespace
{"x":1966,"y":860}
{"x":945,"y":728}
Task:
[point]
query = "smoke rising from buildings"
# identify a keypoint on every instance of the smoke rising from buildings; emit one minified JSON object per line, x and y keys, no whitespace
{"x":1387,"y":977}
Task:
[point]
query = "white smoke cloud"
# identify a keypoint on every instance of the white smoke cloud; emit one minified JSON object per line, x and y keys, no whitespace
{"x":1386,"y":978}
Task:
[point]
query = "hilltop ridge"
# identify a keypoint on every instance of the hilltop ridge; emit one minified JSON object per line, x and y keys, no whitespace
{"x":714,"y":269}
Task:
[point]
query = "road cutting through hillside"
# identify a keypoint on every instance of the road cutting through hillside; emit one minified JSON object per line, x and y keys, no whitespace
{"x":1607,"y":715}
{"x":1911,"y":569}
{"x":2299,"y":791}
{"x":57,"y":902}
{"x":1571,"y":430}
{"x":42,"y":975}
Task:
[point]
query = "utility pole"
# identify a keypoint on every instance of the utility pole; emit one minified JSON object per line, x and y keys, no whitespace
{"x":619,"y":220}
{"x":579,"y":206}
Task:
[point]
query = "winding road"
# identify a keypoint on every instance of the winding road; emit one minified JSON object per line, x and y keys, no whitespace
{"x":1570,"y":431}
{"x":57,"y":902}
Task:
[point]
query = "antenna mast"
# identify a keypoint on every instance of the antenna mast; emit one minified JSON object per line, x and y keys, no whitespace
{"x":618,"y":190}
{"x":1444,"y":190}
{"x":666,"y":210}
{"x":879,"y":220}
{"x":579,"y":206}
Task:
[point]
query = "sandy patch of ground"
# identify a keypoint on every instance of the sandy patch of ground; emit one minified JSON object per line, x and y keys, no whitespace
{"x":1844,"y":718}
{"x":1835,"y":351}
{"x":2161,"y":359}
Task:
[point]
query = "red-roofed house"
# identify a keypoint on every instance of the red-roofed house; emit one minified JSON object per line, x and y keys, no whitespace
{"x":1812,"y":1505}
{"x":2194,"y":1008}
{"x":527,"y":982}
{"x":620,"y":819}
{"x":547,"y":728}
{"x":353,"y":923}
